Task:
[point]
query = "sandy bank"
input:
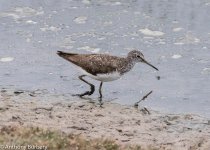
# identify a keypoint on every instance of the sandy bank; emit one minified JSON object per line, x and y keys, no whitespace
{"x":124,"y":124}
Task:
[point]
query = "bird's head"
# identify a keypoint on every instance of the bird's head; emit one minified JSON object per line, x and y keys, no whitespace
{"x":137,"y":56}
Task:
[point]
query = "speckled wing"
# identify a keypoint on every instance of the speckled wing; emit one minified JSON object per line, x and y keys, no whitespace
{"x":95,"y":63}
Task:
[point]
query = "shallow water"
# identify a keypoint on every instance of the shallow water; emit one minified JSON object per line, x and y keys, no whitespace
{"x":173,"y":35}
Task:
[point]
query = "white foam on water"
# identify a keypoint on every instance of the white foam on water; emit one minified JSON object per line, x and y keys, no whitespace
{"x":134,"y":34}
{"x":89,"y":49}
{"x":80,"y":20}
{"x":189,"y":38}
{"x":54,"y":12}
{"x":6,"y":59}
{"x":162,"y":57}
{"x":148,"y":37}
{"x":177,"y":29}
{"x":28,"y":40}
{"x":205,"y":71}
{"x":31,"y":22}
{"x":196,"y":40}
{"x":163,"y":97}
{"x":107,"y":23}
{"x":176,"y":56}
{"x":162,"y":42}
{"x":179,"y":43}
{"x":101,"y":38}
{"x":117,"y":3}
{"x":86,"y":1}
{"x":67,"y":43}
{"x":22,"y":12}
{"x":50,"y":28}
{"x":149,"y":32}
{"x":73,"y":7}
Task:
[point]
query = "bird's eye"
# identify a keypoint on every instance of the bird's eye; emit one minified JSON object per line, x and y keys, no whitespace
{"x":138,"y":56}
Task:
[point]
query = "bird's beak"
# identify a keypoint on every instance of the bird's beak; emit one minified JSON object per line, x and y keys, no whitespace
{"x":150,"y":65}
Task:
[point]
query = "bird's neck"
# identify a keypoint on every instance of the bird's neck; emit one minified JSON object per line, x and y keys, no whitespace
{"x":129,"y":64}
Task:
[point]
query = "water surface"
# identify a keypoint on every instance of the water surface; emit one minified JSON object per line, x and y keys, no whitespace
{"x":173,"y":35}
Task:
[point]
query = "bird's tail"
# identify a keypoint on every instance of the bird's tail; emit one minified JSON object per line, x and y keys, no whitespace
{"x":65,"y":55}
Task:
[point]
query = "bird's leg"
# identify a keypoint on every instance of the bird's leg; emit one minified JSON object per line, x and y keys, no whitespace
{"x":100,"y":93}
{"x":92,"y":88}
{"x":100,"y":87}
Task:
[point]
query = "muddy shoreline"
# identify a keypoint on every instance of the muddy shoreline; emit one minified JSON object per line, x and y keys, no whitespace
{"x":123,"y":124}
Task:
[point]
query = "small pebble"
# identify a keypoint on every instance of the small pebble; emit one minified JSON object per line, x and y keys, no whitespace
{"x":119,"y":130}
{"x":18,"y":92}
{"x":158,"y":77}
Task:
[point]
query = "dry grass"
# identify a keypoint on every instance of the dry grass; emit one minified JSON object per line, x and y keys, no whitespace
{"x":54,"y":140}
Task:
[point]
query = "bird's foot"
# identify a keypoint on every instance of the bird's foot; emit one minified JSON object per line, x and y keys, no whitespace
{"x":83,"y":94}
{"x":100,"y":101}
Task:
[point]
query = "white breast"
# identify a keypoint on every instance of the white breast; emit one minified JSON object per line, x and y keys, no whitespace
{"x":103,"y":77}
{"x":107,"y":77}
